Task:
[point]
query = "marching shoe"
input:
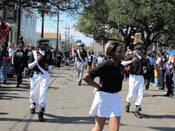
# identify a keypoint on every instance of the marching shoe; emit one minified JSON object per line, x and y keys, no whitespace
{"x":32,"y":108}
{"x":41,"y":116}
{"x":79,"y":83}
{"x":137,"y":111}
{"x":138,"y":114}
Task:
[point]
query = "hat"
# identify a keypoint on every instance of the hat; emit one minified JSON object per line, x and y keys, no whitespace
{"x":43,"y":41}
{"x":79,"y":44}
{"x":138,"y":47}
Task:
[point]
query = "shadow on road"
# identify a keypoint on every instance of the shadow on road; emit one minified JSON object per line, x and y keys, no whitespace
{"x":159,"y":117}
{"x":50,"y":118}
{"x":69,"y":120}
{"x":154,"y":95}
{"x":7,"y":93}
{"x":163,"y":128}
{"x":4,"y":113}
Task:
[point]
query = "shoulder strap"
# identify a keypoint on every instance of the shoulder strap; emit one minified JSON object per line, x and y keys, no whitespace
{"x":39,"y":67}
{"x":80,"y":56}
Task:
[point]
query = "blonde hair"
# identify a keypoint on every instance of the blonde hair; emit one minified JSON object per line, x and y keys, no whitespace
{"x":137,"y":38}
{"x":171,"y":59}
{"x":11,"y":45}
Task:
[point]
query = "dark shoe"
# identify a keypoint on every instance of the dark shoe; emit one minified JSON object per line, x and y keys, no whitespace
{"x":17,"y":85}
{"x":137,"y":111}
{"x":138,"y":114}
{"x":41,"y":116}
{"x":4,"y":81}
{"x":79,"y":83}
{"x":32,"y":108}
{"x":138,"y":108}
{"x":161,"y":88}
{"x":127,"y":107}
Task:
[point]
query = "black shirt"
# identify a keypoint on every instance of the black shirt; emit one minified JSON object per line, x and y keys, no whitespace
{"x":44,"y":63}
{"x":111,"y":76}
{"x":83,"y":54}
{"x":137,"y":67}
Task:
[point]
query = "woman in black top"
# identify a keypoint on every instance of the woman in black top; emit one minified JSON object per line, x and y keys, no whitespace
{"x":107,"y":101}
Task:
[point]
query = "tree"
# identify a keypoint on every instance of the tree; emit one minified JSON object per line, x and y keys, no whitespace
{"x":153,"y":18}
{"x":94,"y":22}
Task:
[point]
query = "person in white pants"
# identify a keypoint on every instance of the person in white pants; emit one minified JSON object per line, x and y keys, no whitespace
{"x":81,"y":61}
{"x":40,"y":63}
{"x":136,"y":80}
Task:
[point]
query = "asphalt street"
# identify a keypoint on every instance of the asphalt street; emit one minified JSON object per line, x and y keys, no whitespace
{"x":69,"y":104}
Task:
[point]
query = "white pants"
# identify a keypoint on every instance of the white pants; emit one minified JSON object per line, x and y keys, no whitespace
{"x":39,"y":89}
{"x":136,"y":88}
{"x":80,"y":69}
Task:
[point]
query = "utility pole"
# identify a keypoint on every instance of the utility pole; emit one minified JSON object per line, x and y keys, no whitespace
{"x":19,"y":20}
{"x":68,"y":34}
{"x":42,"y":19}
{"x":58,"y":18}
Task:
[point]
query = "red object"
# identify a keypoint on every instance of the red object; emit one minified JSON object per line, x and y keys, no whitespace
{"x":4,"y":33}
{"x":9,"y":58}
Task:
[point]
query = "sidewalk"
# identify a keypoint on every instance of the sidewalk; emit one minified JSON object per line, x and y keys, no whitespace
{"x":69,"y":104}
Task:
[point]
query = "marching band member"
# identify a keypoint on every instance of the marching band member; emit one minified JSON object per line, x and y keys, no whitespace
{"x":40,"y":63}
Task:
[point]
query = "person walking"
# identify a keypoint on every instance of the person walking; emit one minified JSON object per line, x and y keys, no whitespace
{"x":136,"y":80}
{"x":19,"y":63}
{"x":156,"y":75}
{"x":160,"y":62}
{"x":89,"y":61}
{"x":168,"y":67}
{"x":40,"y":63}
{"x":81,"y":61}
{"x":107,"y":100}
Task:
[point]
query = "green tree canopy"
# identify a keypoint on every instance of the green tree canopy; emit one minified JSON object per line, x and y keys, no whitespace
{"x":153,"y":18}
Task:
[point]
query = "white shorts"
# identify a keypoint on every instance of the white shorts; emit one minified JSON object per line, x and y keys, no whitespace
{"x":106,"y":104}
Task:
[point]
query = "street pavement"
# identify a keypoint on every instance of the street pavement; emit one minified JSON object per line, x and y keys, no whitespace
{"x":69,"y":104}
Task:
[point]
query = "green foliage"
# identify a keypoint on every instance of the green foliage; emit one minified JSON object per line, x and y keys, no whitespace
{"x":153,"y":18}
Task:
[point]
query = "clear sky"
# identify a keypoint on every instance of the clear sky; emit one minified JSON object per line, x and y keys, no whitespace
{"x":65,"y":21}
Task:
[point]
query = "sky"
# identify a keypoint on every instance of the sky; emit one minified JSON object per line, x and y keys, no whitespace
{"x":65,"y":21}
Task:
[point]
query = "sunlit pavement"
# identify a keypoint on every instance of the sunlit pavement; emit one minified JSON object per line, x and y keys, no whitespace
{"x":68,"y":107}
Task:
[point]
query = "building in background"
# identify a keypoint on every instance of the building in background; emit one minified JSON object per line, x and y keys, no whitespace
{"x":97,"y":47}
{"x":28,"y":27}
{"x":28,"y":23}
{"x":53,"y":39}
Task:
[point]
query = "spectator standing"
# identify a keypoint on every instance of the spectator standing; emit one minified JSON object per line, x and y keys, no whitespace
{"x":11,"y":51}
{"x":160,"y":62}
{"x":156,"y":75}
{"x":168,"y":67}
{"x":147,"y":72}
{"x":174,"y":75}
{"x":4,"y":61}
{"x":19,"y":63}
{"x":89,"y":60}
